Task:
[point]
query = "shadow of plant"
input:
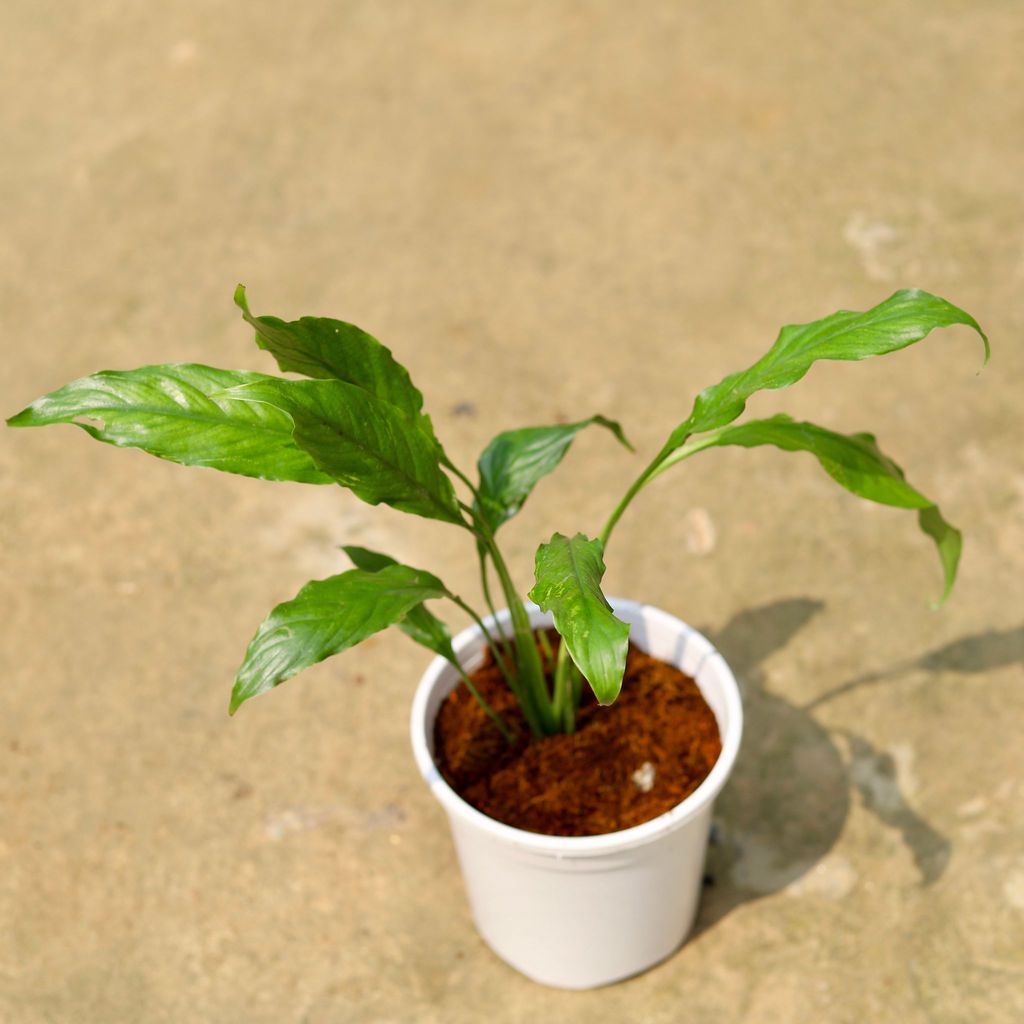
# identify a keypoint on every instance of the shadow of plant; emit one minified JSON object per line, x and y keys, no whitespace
{"x":788,"y":796}
{"x":790,"y":792}
{"x":969,"y":655}
{"x":873,"y":772}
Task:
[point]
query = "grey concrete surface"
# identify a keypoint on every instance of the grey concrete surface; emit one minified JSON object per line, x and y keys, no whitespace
{"x":547,"y":209}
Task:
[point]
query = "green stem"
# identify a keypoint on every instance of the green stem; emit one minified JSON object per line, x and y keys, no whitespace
{"x":565,"y":691}
{"x":507,"y":673}
{"x":486,"y":587}
{"x":668,"y":456}
{"x":532,"y":693}
{"x":531,"y":672}
{"x":545,"y":649}
{"x":481,"y":550}
{"x":495,"y":650}
{"x":633,"y":491}
{"x":493,"y":715}
{"x":462,"y":476}
{"x":684,"y":451}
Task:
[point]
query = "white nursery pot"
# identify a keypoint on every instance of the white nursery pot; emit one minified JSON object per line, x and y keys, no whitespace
{"x":582,"y":911}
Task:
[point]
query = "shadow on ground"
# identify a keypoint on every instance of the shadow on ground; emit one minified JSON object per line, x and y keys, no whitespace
{"x":790,"y":793}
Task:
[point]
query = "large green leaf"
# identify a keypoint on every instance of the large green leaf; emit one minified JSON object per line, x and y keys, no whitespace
{"x":513,"y":463}
{"x":180,"y":412}
{"x":365,"y":444}
{"x":854,"y":461}
{"x":569,"y":575}
{"x":904,"y":318}
{"x":419,"y":624}
{"x":325,"y":618}
{"x":323,"y":348}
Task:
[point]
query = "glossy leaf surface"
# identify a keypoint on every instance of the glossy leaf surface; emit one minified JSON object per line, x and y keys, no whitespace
{"x":513,"y":463}
{"x":901,"y":320}
{"x":324,"y":348}
{"x":569,"y":572}
{"x":179,"y":412}
{"x":327,"y":617}
{"x":855,"y":462}
{"x":419,"y":623}
{"x":363,"y":443}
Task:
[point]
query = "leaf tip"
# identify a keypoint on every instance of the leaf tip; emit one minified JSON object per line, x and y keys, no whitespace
{"x":240,"y":300}
{"x":988,"y":347}
{"x":940,"y":602}
{"x":610,"y":700}
{"x":237,"y":699}
{"x":20,"y":419}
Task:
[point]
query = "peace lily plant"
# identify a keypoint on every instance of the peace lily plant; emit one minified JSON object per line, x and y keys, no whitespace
{"x":357,"y":420}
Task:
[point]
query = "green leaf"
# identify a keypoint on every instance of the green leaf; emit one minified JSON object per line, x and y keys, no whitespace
{"x":854,"y":461}
{"x":569,"y":575}
{"x":513,"y":463}
{"x":179,"y":412}
{"x":325,"y":618}
{"x":363,"y":443}
{"x":323,"y":348}
{"x":903,"y":319}
{"x":419,"y":624}
{"x":948,"y":539}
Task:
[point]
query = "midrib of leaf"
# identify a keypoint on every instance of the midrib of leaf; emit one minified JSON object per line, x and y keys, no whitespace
{"x":366,"y":615}
{"x":575,"y":567}
{"x":399,"y":471}
{"x":184,"y":414}
{"x":837,"y":333}
{"x":799,"y":352}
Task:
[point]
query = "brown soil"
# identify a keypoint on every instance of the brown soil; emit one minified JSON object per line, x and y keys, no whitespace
{"x":580,"y":785}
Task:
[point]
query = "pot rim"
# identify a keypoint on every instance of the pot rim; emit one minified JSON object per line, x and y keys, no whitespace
{"x":440,"y":672}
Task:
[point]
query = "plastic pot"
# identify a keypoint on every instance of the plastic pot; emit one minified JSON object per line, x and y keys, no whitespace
{"x":582,"y":911}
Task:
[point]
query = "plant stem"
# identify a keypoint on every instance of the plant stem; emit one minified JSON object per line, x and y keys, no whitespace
{"x":531,"y":691}
{"x":545,"y":649}
{"x":668,"y":456}
{"x":462,"y":476}
{"x":493,"y":715}
{"x":481,"y":549}
{"x":510,"y":677}
{"x":684,"y":451}
{"x":486,"y":587}
{"x":566,"y":699}
{"x":633,"y":491}
{"x":531,"y":672}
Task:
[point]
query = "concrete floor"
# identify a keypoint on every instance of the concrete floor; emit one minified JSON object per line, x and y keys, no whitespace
{"x":547,"y":209}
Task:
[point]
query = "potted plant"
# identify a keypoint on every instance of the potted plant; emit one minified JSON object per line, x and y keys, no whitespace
{"x":567,"y":892}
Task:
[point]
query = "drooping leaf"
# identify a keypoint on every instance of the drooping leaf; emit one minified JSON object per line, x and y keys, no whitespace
{"x":419,"y":624}
{"x":179,"y":412}
{"x":948,"y":539}
{"x":569,"y":572}
{"x":903,"y":319}
{"x":365,"y":444}
{"x":327,"y":617}
{"x":855,"y":462}
{"x":323,"y":348}
{"x":513,"y":463}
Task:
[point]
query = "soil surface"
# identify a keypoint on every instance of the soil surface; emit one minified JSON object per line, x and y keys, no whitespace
{"x":625,"y":764}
